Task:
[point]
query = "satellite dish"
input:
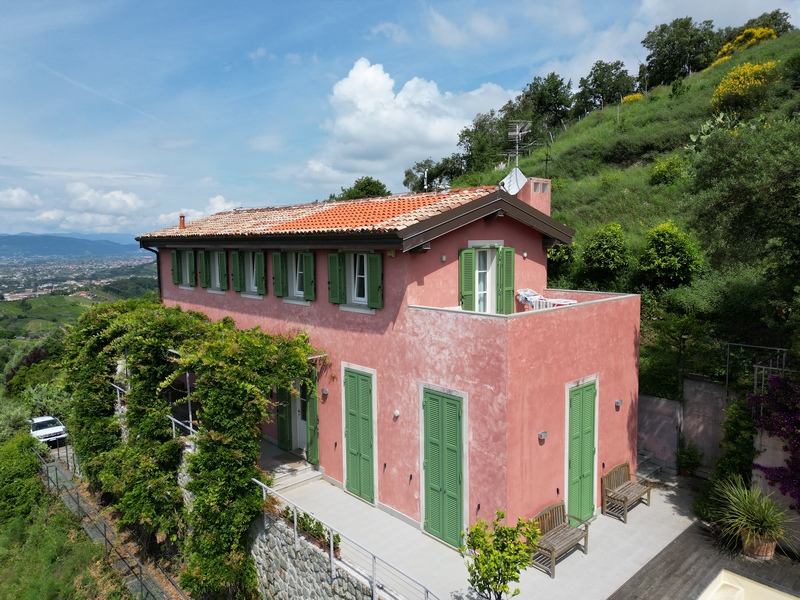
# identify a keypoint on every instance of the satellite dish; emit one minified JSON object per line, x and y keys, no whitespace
{"x":513,"y":182}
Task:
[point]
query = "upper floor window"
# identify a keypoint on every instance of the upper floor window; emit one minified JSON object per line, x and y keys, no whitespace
{"x":183,"y":267}
{"x":213,"y":269}
{"x":249,"y":274}
{"x":486,"y":279}
{"x":293,"y":275}
{"x":355,"y":278}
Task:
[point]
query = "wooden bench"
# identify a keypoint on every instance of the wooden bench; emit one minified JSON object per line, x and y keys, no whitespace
{"x":620,"y":493}
{"x":558,"y":536}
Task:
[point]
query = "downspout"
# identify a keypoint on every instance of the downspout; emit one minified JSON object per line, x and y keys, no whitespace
{"x":158,"y":269}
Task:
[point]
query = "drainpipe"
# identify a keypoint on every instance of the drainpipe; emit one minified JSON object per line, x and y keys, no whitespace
{"x":158,"y":269}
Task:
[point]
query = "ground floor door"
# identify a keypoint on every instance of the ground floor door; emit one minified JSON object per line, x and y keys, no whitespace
{"x":298,"y":423}
{"x":284,"y":410}
{"x":359,"y":434}
{"x":443,"y":466}
{"x":580,"y":468}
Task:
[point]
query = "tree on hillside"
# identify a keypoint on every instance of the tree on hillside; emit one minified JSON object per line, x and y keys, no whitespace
{"x":777,"y":20}
{"x":437,"y":174}
{"x":606,"y":83}
{"x":545,"y":100}
{"x":483,"y":141}
{"x":678,"y":49}
{"x":364,"y":187}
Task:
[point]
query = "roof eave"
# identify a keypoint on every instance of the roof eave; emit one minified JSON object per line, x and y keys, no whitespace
{"x":361,"y":240}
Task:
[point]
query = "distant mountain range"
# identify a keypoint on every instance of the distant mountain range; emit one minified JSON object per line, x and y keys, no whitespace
{"x":67,"y":245}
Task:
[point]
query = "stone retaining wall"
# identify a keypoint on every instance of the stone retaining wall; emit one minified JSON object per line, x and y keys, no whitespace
{"x":286,"y":572}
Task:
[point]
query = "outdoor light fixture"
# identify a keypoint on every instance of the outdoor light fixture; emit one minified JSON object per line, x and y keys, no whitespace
{"x":542,"y":435}
{"x":396,"y":413}
{"x":324,"y":391}
{"x":618,"y":403}
{"x":444,"y":257}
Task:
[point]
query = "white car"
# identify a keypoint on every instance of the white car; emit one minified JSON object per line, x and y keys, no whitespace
{"x":48,"y":429}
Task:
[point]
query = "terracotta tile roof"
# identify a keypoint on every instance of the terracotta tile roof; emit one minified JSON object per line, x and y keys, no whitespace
{"x":383,"y":214}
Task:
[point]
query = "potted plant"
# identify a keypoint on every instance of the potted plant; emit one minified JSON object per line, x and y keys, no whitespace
{"x":745,"y":514}
{"x":688,"y":457}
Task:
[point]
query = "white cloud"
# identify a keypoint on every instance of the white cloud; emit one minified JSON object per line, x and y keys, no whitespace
{"x":215,"y":204}
{"x":391,"y":31}
{"x":85,"y":199}
{"x":261,"y":53}
{"x":379,"y":132}
{"x":18,"y":199}
{"x":479,"y":27}
{"x":293,"y":59}
{"x":63,"y":220}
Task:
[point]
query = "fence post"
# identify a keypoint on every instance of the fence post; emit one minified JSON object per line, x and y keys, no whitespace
{"x":56,"y":471}
{"x":330,"y":546}
{"x":264,"y":506}
{"x":374,"y":577}
{"x":296,"y":536}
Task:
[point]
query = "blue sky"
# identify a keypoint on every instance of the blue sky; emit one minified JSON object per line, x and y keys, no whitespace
{"x":119,"y":115}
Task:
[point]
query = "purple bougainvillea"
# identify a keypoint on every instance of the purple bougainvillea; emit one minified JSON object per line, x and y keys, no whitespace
{"x":777,"y":412}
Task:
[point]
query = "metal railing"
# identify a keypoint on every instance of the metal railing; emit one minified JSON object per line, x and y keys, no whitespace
{"x":137,"y":576}
{"x":385,"y":580}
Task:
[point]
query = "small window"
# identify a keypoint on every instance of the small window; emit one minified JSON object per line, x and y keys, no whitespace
{"x":293,"y":275}
{"x":183,"y":268}
{"x":214,"y":270}
{"x":355,"y":279}
{"x":486,"y":280}
{"x":249,"y":274}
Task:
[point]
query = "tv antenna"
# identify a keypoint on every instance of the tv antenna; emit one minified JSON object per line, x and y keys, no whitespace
{"x":517,"y":130}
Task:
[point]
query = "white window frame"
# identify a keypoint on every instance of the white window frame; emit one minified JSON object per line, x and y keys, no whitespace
{"x":186,"y":274}
{"x":296,"y":275}
{"x":490,"y":248}
{"x":352,"y":278}
{"x":213,"y":265}
{"x":250,"y":277}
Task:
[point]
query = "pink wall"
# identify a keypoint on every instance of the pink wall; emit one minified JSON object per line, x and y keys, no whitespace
{"x":553,"y":348}
{"x":431,"y":279}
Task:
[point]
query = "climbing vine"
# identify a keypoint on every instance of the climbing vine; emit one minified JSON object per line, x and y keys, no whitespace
{"x":236,"y":372}
{"x":777,"y":412}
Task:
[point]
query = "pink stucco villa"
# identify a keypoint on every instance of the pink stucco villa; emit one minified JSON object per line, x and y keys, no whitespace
{"x":451,"y":388}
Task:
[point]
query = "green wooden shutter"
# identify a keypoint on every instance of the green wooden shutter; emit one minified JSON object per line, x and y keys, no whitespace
{"x":284,"y":409}
{"x":312,"y":422}
{"x":505,"y":281}
{"x":433,"y":464}
{"x":375,"y":280}
{"x":365,"y":437}
{"x":192,"y":273}
{"x":581,"y":451}
{"x":176,"y":267}
{"x":205,"y":272}
{"x":443,"y":466}
{"x":336,"y":278}
{"x":353,"y":481}
{"x":280,"y":283}
{"x":222,"y":263}
{"x":261,"y":273}
{"x":309,"y":278}
{"x":237,"y":271}
{"x":466,"y":278}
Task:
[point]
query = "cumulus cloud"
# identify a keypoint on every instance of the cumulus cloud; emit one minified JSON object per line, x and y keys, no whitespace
{"x":18,"y":199}
{"x":391,"y":31}
{"x":378,"y":131}
{"x":215,"y":204}
{"x":64,"y":220}
{"x":84,"y":198}
{"x":261,"y":53}
{"x":478,"y":27}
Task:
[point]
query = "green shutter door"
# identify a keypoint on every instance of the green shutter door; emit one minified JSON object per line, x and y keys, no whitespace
{"x":280,"y":280}
{"x":261,"y":273}
{"x":312,"y":423}
{"x":505,"y":281}
{"x":336,"y":278}
{"x":581,"y":451}
{"x":284,"y":420}
{"x":205,"y":274}
{"x":176,"y":267}
{"x":358,"y":409}
{"x":237,"y":271}
{"x":466,"y":278}
{"x":443,"y":466}
{"x":222,"y":260}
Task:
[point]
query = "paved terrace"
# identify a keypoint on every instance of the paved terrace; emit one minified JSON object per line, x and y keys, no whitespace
{"x":616,"y":551}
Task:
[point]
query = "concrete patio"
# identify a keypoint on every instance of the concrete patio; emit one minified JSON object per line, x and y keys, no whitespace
{"x":616,"y":550}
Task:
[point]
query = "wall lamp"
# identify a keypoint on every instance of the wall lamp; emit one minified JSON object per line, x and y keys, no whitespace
{"x":542,"y":435}
{"x":618,"y":403}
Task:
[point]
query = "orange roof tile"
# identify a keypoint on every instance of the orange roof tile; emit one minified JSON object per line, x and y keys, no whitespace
{"x":383,"y":214}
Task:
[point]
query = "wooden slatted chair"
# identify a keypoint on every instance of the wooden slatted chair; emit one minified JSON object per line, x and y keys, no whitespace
{"x":558,"y":536}
{"x":620,"y":493}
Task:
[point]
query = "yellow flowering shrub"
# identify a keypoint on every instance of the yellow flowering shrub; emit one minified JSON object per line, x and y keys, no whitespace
{"x":744,"y":87}
{"x":721,"y":59}
{"x":749,"y":37}
{"x":632,"y":98}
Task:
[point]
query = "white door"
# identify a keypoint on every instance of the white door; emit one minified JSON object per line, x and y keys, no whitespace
{"x":300,"y":433}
